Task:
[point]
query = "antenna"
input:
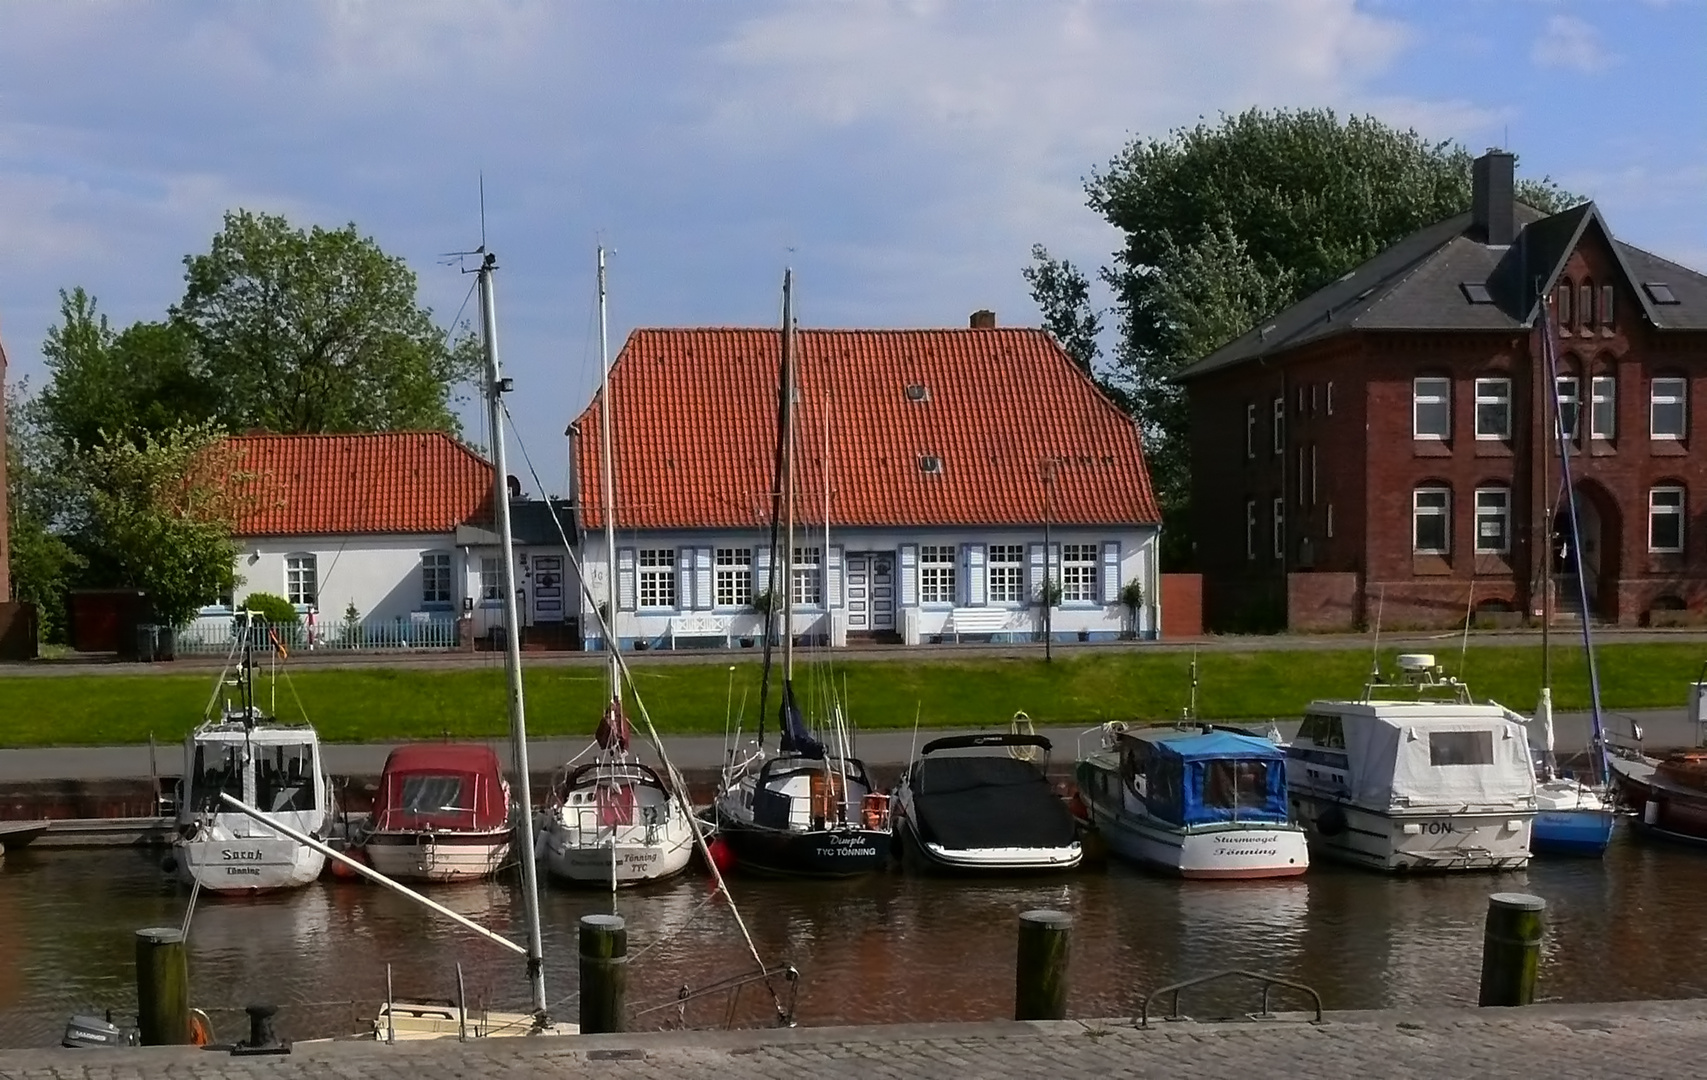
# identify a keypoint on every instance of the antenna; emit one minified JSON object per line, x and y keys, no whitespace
{"x":1375,"y":649}
{"x":1464,"y":648}
{"x":483,"y":210}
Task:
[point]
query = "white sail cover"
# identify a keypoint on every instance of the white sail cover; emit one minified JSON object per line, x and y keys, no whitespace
{"x":1408,"y":755}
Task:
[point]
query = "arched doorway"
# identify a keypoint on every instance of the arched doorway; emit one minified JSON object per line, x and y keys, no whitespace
{"x":1597,"y":519}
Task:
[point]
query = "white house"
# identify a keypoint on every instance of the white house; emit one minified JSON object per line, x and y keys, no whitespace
{"x":940,"y":475}
{"x":388,"y":532}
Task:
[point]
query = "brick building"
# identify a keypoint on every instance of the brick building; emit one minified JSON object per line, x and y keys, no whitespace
{"x":1379,"y":446}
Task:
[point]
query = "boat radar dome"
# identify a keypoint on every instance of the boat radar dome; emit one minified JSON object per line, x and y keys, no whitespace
{"x":1415,"y":662}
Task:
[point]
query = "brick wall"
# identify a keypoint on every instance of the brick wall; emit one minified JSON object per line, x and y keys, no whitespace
{"x":1323,"y":602}
{"x":1182,"y":606}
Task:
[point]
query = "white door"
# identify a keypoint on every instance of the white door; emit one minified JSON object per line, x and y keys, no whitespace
{"x":856,"y":572}
{"x":883,"y":592}
{"x":547,"y":589}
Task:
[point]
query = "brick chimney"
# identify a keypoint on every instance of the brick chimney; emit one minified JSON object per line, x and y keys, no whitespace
{"x":983,"y":319}
{"x":1492,"y":212}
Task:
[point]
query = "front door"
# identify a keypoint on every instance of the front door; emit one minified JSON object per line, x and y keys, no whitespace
{"x":547,"y":589}
{"x":870,"y":592}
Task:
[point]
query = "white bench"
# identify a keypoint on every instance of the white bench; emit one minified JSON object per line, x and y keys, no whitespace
{"x":699,"y":626}
{"x":978,"y":620}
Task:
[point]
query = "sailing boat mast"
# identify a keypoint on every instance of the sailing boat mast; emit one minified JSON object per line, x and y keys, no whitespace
{"x":608,"y":482}
{"x":788,"y":480}
{"x":496,"y":385}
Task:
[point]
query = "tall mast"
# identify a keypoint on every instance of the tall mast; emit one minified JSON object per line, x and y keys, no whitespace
{"x":788,"y":475}
{"x":608,"y":482}
{"x":496,"y":385}
{"x":1550,"y":400}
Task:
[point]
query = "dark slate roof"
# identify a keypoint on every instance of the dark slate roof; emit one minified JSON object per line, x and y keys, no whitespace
{"x":1417,"y":284}
{"x":531,"y":525}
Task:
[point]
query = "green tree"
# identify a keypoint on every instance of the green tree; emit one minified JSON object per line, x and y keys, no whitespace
{"x":43,"y":563}
{"x":1227,"y":223}
{"x":316,"y":330}
{"x":1063,"y":294}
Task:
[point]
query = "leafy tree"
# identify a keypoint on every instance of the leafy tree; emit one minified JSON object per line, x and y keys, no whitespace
{"x":1063,"y":294}
{"x":1225,"y":224}
{"x":42,"y":563}
{"x":317,"y":330}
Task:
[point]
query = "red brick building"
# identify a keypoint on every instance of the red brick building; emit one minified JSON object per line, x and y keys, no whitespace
{"x":1379,"y":447}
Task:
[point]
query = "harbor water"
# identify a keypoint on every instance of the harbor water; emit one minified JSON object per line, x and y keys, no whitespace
{"x":884,"y":949}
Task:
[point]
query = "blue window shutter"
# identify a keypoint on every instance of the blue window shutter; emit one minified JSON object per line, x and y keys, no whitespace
{"x":702,"y":593}
{"x":684,"y":579}
{"x":833,"y":577}
{"x":1034,"y":573}
{"x":909,"y":575}
{"x":1111,"y":571}
{"x":974,"y":560}
{"x":625,"y":578}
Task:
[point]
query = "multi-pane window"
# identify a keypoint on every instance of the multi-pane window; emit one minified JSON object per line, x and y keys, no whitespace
{"x":808,"y":582}
{"x":1493,"y":408}
{"x":302,"y":585}
{"x":1562,"y":305}
{"x":1569,"y":402}
{"x":734,"y":577}
{"x":1279,"y":426}
{"x":1493,"y":521}
{"x":435,"y":577}
{"x":936,"y":574}
{"x":657,"y":577}
{"x":1250,"y":528}
{"x":1606,"y":297}
{"x":1585,"y":305}
{"x":1666,"y":401}
{"x":491,"y":578}
{"x":1078,"y":573}
{"x":1006,"y":579}
{"x":1251,"y":430}
{"x":1603,"y":411}
{"x":1431,"y":518}
{"x":1431,"y":408}
{"x":1279,"y":523}
{"x":1665,"y":519}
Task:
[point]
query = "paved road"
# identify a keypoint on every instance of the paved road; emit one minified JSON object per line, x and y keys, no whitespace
{"x":1643,"y":1039}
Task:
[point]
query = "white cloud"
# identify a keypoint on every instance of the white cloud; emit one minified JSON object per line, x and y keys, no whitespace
{"x":1570,"y":42}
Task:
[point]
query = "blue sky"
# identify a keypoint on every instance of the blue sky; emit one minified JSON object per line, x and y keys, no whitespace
{"x":903,"y":157}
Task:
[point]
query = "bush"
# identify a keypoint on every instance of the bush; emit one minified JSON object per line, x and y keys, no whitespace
{"x":273,"y":609}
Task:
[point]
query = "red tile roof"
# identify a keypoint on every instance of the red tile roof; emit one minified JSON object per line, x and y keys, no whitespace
{"x":394,"y":482}
{"x":695,"y":431}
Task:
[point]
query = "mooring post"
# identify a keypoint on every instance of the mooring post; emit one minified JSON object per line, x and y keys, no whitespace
{"x":1511,"y":948}
{"x":162,"y":987}
{"x":604,"y":973}
{"x":1040,"y":974}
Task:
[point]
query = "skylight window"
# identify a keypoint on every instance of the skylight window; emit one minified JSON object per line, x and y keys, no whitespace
{"x":931,"y":465}
{"x":1659,"y":292}
{"x":918,"y":392}
{"x":1476,"y":292}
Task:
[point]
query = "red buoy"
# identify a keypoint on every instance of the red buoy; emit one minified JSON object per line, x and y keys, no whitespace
{"x":343,"y":872}
{"x":721,"y":856}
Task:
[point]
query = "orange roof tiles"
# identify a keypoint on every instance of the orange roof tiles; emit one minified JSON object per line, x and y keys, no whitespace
{"x":695,"y":431}
{"x":391,"y":482}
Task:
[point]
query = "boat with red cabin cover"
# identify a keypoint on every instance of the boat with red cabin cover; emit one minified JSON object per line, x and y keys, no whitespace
{"x":442,"y":813}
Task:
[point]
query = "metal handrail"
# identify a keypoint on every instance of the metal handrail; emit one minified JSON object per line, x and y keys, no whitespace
{"x":1268,"y":982}
{"x":732,"y":986}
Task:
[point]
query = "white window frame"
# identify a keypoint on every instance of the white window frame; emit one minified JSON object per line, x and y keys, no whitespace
{"x":1568,"y":400}
{"x":1431,"y":390}
{"x":655,"y":579}
{"x":808,"y":577}
{"x":1676,"y":393}
{"x":1004,"y":581}
{"x":1493,"y":507}
{"x":302,"y":579}
{"x":1279,"y":441}
{"x":491,"y":581}
{"x":1278,"y":520}
{"x":436,"y":588}
{"x":1493,"y":391}
{"x":1439,"y":505}
{"x":1251,"y":529}
{"x":1603,"y":391}
{"x":937,"y":565}
{"x":1250,"y":430}
{"x":1668,"y":501}
{"x":1079,"y":573}
{"x":732,"y":586}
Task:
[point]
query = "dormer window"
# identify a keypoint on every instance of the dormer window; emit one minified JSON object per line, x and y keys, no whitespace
{"x":918,"y":392}
{"x":930,"y":465}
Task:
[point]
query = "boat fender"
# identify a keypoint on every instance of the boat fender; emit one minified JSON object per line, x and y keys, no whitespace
{"x":169,"y":865}
{"x":1651,"y":812}
{"x":188,"y":830}
{"x":201,"y":1028}
{"x":1331,"y":822}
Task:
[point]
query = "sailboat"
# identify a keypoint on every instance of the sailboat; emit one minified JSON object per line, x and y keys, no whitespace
{"x":1571,"y":817}
{"x":613,"y":821}
{"x":807,"y":810}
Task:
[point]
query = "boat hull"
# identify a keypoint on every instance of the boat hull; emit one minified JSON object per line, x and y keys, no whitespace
{"x":993,"y":860}
{"x":247,"y":864}
{"x":1230,"y":854}
{"x":815,"y":853}
{"x":1665,"y":810}
{"x":1418,"y":841}
{"x":605,"y":861}
{"x":438,"y":856}
{"x":1571,"y":832}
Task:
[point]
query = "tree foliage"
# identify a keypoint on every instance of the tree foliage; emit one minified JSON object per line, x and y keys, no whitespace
{"x":42,"y":563}
{"x":1224,"y":224}
{"x":1063,"y":294}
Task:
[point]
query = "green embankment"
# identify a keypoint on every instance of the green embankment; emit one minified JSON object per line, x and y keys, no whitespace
{"x":352,"y":705}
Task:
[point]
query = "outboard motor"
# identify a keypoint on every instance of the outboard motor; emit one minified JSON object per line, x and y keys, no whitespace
{"x":83,"y":1031}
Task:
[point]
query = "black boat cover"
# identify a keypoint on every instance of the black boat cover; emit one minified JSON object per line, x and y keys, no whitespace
{"x":983,"y":802}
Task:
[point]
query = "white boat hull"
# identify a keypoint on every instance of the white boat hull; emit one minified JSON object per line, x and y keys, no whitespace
{"x":437,"y":856}
{"x":247,"y":864}
{"x":616,"y":858}
{"x":1415,"y":840}
{"x":994,"y":860}
{"x":1235,"y":852}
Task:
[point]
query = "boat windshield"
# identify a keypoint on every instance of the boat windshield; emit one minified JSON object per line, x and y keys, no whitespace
{"x":426,"y":794}
{"x":284,"y":777}
{"x":218,"y":770}
{"x":1237,"y":785}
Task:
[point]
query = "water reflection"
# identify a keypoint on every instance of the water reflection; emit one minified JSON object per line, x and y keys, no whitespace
{"x":886,"y":948}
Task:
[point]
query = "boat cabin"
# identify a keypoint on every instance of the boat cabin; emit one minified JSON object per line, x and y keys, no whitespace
{"x":612,"y":794}
{"x":442,"y":787}
{"x":274,"y":768}
{"x":1191,"y":779}
{"x":810,"y":793}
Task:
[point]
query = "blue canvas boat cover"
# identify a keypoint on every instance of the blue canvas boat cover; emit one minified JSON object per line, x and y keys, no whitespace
{"x":1217,"y":776}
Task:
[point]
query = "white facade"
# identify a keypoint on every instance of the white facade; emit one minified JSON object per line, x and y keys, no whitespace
{"x":919,"y":585}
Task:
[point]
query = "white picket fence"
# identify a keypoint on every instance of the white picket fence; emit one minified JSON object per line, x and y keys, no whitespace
{"x":215,"y":634}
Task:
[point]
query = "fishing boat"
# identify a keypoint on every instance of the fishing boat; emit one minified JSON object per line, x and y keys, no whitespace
{"x":1414,"y":782}
{"x":983,"y":803}
{"x":808,"y":810}
{"x":613,"y":821}
{"x":442,"y":813}
{"x":272,"y":766}
{"x":1669,"y":794}
{"x":1199,"y":803}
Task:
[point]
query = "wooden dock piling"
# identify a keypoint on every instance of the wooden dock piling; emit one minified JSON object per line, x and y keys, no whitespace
{"x":162,"y":987}
{"x":604,"y":974}
{"x":1040,"y":973}
{"x":1511,"y":948}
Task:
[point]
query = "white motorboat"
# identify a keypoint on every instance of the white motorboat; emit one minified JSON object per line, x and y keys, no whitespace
{"x":442,"y":814}
{"x":1199,"y":802}
{"x":1417,"y":783}
{"x":984,"y":812}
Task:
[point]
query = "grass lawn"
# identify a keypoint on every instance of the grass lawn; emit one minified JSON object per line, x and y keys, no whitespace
{"x":354,"y":705}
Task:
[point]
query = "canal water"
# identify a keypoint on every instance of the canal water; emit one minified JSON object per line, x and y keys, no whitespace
{"x":885,"y":949}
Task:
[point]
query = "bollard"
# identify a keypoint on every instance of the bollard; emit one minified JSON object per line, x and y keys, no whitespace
{"x":1040,"y":974}
{"x":604,"y":973}
{"x":261,"y":1038}
{"x":162,"y":987}
{"x":1511,"y":948}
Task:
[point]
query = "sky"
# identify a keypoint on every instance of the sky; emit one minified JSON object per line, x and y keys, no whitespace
{"x":902,"y":157}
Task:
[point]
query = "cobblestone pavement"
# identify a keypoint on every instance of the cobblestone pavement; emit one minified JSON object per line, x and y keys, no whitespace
{"x":1640,"y":1039}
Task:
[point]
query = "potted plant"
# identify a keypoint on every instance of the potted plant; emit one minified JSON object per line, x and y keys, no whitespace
{"x":1132,"y":598}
